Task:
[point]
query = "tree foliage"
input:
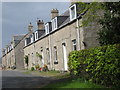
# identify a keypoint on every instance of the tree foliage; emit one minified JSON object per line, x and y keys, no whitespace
{"x":90,"y":12}
{"x":100,"y":64}
{"x":110,"y":31}
{"x":107,"y":14}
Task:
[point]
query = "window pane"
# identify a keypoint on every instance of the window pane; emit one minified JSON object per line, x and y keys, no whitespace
{"x":73,"y":12}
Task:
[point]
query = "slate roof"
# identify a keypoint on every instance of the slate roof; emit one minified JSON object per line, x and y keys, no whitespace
{"x":66,"y":13}
{"x":17,"y":39}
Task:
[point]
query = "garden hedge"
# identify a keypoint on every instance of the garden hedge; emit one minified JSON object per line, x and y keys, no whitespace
{"x":100,"y":64}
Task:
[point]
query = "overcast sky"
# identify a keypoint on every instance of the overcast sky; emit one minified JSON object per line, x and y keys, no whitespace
{"x":17,"y":15}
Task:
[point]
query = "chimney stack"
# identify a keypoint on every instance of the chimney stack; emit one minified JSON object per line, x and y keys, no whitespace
{"x":30,"y":27}
{"x":40,"y":24}
{"x":54,"y":13}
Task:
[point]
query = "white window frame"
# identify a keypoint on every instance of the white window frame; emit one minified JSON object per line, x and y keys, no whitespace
{"x":26,"y":42}
{"x":55,"y":54}
{"x":47,"y":28}
{"x":32,"y":39}
{"x":10,"y":47}
{"x":73,"y":6}
{"x":54,"y":24}
{"x":36,"y":35}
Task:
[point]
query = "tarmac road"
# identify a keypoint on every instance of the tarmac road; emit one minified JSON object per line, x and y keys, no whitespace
{"x":15,"y":79}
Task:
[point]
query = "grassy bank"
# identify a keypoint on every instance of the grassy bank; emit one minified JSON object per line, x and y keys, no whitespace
{"x":74,"y":84}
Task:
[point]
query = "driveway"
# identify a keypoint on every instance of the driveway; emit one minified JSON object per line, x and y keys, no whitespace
{"x":15,"y":79}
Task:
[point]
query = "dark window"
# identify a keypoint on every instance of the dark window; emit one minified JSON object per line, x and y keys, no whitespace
{"x":55,"y":55}
{"x":48,"y":55}
{"x":74,"y":44}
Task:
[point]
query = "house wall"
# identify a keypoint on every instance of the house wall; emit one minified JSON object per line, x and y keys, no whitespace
{"x":28,"y":52}
{"x":64,"y":35}
{"x":19,"y":55}
{"x":8,"y":59}
{"x":4,"y":60}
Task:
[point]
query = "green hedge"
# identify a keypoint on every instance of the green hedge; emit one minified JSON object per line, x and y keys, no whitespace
{"x":100,"y":64}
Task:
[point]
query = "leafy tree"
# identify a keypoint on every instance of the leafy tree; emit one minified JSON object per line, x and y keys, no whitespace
{"x":110,"y":31}
{"x":107,"y":14}
{"x":90,"y":12}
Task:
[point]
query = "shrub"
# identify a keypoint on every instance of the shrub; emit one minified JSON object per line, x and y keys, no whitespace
{"x":32,"y":69}
{"x":45,"y":68}
{"x":100,"y":64}
{"x":37,"y":67}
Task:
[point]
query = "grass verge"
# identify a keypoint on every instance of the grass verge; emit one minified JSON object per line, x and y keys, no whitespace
{"x":74,"y":84}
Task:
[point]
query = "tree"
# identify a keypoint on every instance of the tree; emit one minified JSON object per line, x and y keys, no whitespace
{"x":110,"y":31}
{"x":107,"y":14}
{"x":90,"y":12}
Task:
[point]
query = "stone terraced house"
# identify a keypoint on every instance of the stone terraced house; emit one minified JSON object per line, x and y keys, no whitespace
{"x":13,"y":54}
{"x":57,"y":38}
{"x":53,"y":40}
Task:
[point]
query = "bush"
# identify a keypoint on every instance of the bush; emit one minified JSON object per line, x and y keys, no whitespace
{"x":37,"y":67}
{"x":32,"y":69}
{"x":45,"y":68}
{"x":100,"y":64}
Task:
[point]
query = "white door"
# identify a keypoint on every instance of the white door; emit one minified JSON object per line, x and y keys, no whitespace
{"x":65,"y":57}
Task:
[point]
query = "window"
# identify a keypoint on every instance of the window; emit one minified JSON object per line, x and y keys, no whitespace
{"x":55,"y":55}
{"x":54,"y":23}
{"x":48,"y":55}
{"x":73,"y":13}
{"x":26,"y":42}
{"x":32,"y":38}
{"x":36,"y":35}
{"x":74,"y":44}
{"x":47,"y":28}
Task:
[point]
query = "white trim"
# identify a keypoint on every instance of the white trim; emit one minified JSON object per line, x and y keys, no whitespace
{"x":73,"y":6}
{"x":32,"y":38}
{"x":36,"y":35}
{"x":47,"y":28}
{"x":26,"y":42}
{"x":54,"y":25}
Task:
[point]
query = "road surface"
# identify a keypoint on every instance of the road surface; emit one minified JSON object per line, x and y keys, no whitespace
{"x":15,"y":79}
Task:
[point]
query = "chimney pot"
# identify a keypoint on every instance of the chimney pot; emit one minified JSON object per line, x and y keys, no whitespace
{"x":54,"y":13}
{"x":40,"y":24}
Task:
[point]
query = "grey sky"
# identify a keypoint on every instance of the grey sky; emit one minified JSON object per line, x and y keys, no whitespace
{"x":17,"y":15}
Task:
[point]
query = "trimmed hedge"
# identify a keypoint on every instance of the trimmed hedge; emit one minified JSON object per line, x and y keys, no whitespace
{"x":100,"y":64}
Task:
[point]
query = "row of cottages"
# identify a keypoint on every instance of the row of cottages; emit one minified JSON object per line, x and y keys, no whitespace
{"x":13,"y":54}
{"x":54,"y":40}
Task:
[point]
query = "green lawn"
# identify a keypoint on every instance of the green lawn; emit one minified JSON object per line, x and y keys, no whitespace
{"x":74,"y":84}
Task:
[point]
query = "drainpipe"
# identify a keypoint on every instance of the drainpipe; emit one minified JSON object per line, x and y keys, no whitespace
{"x":78,"y":35}
{"x":50,"y":52}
